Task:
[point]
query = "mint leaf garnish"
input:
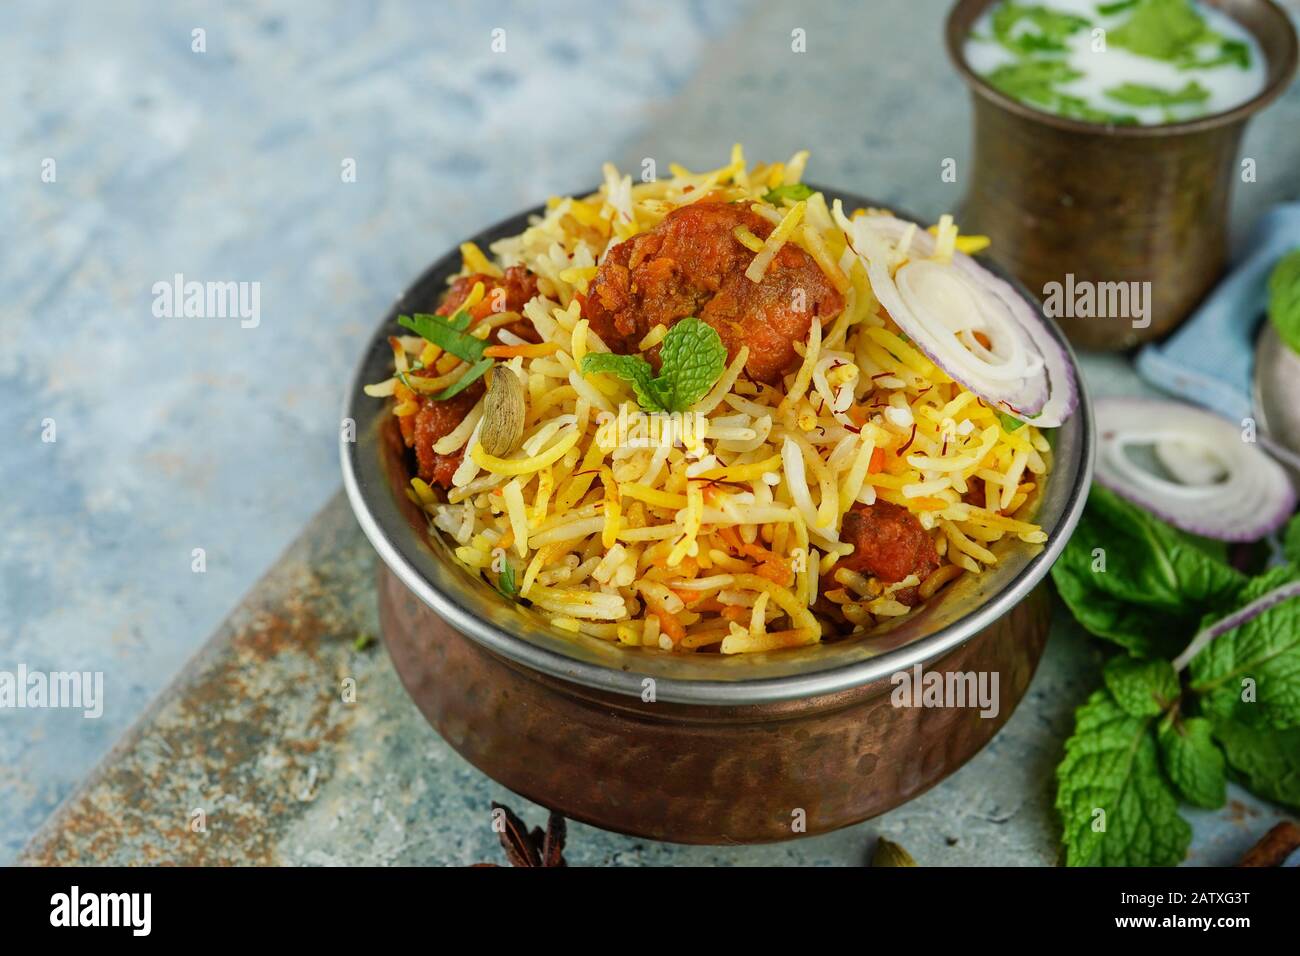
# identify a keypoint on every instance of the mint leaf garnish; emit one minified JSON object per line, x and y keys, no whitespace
{"x":691,"y":358}
{"x":458,"y":320}
{"x":1268,"y":761}
{"x":472,"y":374}
{"x":1141,"y":688}
{"x":1291,"y":540}
{"x":794,"y":192}
{"x":405,"y":377}
{"x":1193,"y":761}
{"x":1264,"y":650}
{"x":446,"y":333}
{"x":1132,"y":579}
{"x":632,"y":369}
{"x":1116,"y":807}
{"x":1148,"y":739}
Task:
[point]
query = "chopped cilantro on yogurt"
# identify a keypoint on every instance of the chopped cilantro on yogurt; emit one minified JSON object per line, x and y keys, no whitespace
{"x":1121,"y":62}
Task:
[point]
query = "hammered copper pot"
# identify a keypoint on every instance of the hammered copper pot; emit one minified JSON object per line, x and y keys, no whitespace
{"x":700,"y":748}
{"x":1105,"y":204}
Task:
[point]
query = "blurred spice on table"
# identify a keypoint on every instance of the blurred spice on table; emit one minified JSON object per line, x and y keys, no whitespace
{"x":1275,"y":846}
{"x":530,"y":848}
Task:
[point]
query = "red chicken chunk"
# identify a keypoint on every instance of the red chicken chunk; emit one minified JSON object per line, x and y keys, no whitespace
{"x":516,"y":288}
{"x":692,"y":264}
{"x":507,"y":294}
{"x":433,"y":421}
{"x":889,"y":544}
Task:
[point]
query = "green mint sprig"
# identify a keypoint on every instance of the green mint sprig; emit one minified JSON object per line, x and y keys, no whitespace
{"x":1152,"y":737}
{"x":690,"y":360}
{"x":1116,"y":808}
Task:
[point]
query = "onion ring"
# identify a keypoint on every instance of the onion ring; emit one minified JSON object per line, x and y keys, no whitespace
{"x":978,"y":328}
{"x":1248,"y":494}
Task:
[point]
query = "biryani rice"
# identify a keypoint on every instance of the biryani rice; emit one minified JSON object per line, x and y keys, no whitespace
{"x":723,"y":533}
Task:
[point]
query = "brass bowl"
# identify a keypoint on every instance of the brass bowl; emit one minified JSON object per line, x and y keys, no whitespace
{"x":689,"y":748}
{"x":1110,"y":204}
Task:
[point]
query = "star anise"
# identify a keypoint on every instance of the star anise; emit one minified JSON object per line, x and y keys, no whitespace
{"x":531,"y":848}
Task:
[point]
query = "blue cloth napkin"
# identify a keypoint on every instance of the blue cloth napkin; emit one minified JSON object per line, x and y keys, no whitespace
{"x":1210,"y":360}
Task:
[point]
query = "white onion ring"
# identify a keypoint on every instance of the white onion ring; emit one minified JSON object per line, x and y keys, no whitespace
{"x":1253,"y":498}
{"x":1025,"y":373}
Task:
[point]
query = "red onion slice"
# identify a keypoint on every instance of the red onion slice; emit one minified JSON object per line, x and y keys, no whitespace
{"x":1221,"y":486}
{"x":1023,"y":371}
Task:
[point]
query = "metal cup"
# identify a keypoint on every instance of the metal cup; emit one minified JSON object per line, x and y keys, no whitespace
{"x":1067,"y":202}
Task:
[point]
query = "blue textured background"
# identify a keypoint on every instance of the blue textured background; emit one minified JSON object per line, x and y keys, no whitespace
{"x":175,"y":434}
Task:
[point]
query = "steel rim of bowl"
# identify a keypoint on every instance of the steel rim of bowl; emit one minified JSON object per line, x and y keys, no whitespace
{"x":625,"y":680}
{"x":954,"y":40}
